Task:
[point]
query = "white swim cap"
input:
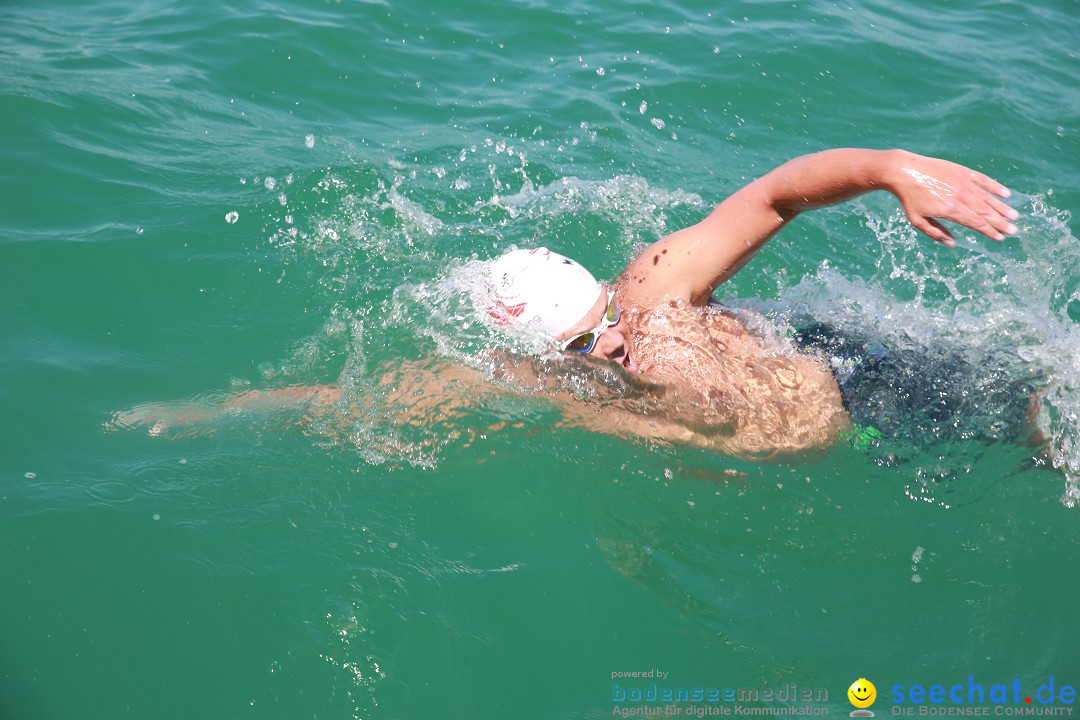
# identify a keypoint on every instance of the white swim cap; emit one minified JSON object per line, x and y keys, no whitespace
{"x":541,"y":289}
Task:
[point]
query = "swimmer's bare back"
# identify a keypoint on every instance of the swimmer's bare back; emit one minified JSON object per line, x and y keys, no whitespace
{"x":774,"y":400}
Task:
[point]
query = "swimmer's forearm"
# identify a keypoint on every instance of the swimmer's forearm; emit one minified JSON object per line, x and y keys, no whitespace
{"x":699,"y":258}
{"x":300,"y":395}
{"x":829,"y":177}
{"x":928,"y":188}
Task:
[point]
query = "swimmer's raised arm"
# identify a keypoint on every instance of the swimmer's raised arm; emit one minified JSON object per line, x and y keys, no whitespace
{"x":690,"y":263}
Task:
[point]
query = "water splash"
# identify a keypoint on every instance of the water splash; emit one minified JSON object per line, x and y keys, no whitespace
{"x":1004,"y":310}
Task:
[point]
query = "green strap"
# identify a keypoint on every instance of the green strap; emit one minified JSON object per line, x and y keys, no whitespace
{"x":863,"y":437}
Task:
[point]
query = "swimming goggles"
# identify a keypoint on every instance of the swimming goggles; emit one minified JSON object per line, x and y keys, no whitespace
{"x":585,"y":342}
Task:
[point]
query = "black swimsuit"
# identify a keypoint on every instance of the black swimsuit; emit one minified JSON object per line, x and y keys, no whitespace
{"x":923,"y":395}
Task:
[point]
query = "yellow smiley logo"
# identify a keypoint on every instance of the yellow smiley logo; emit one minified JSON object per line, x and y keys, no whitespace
{"x":862,"y":693}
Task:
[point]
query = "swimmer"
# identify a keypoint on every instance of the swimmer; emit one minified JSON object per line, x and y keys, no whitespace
{"x":656,"y":320}
{"x":696,"y":372}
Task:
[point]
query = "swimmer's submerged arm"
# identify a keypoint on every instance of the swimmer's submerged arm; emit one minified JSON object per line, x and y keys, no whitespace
{"x":690,"y":263}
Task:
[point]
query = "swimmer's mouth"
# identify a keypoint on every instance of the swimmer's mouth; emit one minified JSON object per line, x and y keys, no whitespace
{"x":628,"y":363}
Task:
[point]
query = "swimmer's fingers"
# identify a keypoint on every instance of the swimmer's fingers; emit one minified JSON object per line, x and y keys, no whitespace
{"x":983,"y":213}
{"x":992,"y":226}
{"x":969,"y":206}
{"x":975,"y":216}
{"x":928,"y":223}
{"x":932,"y":229}
{"x":982,"y":196}
{"x":989,"y":184}
{"x":1000,"y":215}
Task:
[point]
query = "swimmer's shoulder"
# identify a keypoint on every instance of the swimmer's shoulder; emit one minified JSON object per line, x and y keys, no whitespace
{"x":654,"y":277}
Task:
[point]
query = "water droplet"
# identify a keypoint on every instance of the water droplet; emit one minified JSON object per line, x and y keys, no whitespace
{"x":657,"y":123}
{"x":643,"y":107}
{"x":232,"y":217}
{"x":309,"y":141}
{"x":600,"y":72}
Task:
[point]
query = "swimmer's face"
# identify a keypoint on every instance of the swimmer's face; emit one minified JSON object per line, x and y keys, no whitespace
{"x":612,"y":344}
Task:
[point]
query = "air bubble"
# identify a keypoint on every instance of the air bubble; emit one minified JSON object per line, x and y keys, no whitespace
{"x":915,"y":558}
{"x":232,"y":217}
{"x":309,"y":141}
{"x":269,"y":183}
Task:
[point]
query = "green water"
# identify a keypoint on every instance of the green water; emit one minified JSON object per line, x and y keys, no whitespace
{"x":263,"y":566}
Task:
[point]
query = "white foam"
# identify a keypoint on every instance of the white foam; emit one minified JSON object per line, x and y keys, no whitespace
{"x":1007,"y":302}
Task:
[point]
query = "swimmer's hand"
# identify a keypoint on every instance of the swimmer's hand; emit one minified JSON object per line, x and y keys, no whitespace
{"x":931,"y":190}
